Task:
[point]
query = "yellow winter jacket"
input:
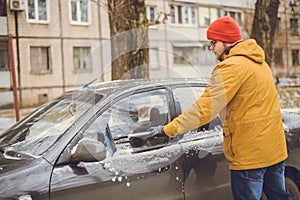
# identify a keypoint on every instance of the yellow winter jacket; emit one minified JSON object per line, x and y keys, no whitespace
{"x":243,"y":93}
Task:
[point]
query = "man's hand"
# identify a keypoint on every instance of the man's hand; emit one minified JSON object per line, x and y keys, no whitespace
{"x":150,"y":137}
{"x":157,"y":131}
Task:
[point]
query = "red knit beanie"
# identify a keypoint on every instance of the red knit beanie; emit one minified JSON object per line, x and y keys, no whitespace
{"x":224,"y":29}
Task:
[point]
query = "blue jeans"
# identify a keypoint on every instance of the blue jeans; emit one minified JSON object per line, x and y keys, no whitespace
{"x":249,"y":184}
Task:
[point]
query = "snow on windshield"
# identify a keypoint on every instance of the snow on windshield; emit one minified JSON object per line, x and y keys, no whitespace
{"x":39,"y":131}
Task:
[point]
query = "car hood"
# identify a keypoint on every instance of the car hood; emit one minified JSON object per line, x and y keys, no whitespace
{"x":20,"y":176}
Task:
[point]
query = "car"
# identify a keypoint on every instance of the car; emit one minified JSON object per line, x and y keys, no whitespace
{"x":80,"y":146}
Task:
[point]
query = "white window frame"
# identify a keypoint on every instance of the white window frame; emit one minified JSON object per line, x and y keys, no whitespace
{"x":79,"y":13}
{"x":36,"y":13}
{"x":191,"y":54}
{"x":39,"y":69}
{"x":278,"y":56}
{"x":192,"y":20}
{"x":207,"y":13}
{"x":88,"y":62}
{"x":4,"y":56}
{"x":295,"y":60}
{"x":294,"y":27}
{"x":226,"y":12}
{"x":154,"y":64}
{"x":148,"y":12}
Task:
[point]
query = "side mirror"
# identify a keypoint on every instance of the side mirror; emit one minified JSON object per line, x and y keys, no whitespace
{"x":88,"y":150}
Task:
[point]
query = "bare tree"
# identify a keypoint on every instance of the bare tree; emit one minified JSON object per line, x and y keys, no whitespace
{"x":264,"y":25}
{"x":129,"y":39}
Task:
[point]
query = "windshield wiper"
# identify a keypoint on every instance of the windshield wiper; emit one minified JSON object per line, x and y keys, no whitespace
{"x":16,"y":154}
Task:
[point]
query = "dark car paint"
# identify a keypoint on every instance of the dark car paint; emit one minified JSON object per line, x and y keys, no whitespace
{"x":125,"y":185}
{"x":25,"y":176}
{"x":292,"y":130}
{"x":198,"y":169}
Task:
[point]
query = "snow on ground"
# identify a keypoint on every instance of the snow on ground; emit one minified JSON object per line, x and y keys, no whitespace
{"x":5,"y":123}
{"x":7,"y":117}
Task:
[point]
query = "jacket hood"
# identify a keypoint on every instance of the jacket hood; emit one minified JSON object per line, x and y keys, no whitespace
{"x":248,"y":48}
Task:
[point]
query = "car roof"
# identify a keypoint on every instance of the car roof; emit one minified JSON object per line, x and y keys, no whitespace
{"x":115,"y":86}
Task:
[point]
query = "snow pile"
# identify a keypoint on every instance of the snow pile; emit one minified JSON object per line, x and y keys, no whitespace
{"x":291,"y":118}
{"x":288,"y":82}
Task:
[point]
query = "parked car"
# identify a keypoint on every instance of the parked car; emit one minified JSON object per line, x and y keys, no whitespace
{"x":78,"y":146}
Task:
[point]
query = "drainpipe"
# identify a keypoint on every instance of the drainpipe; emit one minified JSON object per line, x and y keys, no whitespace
{"x":62,"y":47}
{"x":286,"y":39}
{"x":13,"y":75}
{"x":166,"y":41}
{"x":18,"y":54}
{"x":101,"y":45}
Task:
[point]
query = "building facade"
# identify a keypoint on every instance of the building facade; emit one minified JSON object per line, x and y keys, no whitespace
{"x":62,"y":44}
{"x":286,"y":62}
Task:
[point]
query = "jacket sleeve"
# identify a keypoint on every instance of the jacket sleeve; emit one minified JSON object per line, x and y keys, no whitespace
{"x":221,"y":88}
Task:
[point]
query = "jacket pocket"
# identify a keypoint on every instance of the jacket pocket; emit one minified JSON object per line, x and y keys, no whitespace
{"x":228,"y":144}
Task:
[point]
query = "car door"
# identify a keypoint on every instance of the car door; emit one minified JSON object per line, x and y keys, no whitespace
{"x":205,"y":167}
{"x":150,"y":171}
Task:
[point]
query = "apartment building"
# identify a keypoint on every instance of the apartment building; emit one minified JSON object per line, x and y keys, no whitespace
{"x":52,"y":43}
{"x":286,"y":48}
{"x":61,"y":44}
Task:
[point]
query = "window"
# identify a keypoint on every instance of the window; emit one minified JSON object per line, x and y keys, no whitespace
{"x":278,"y":57}
{"x":295,"y":57}
{"x":186,"y":55}
{"x":153,"y":58}
{"x":186,"y":96}
{"x":151,"y":14}
{"x":294,"y":26}
{"x":279,"y":27}
{"x":82,"y":58}
{"x":3,"y":12}
{"x":237,"y":16}
{"x":184,"y":15}
{"x":38,"y":11}
{"x":192,"y":55}
{"x":4,"y":58}
{"x":131,"y":115}
{"x":292,"y":3}
{"x":40,"y":59}
{"x":207,"y":16}
{"x":279,"y":24}
{"x":136,"y":113}
{"x":79,"y":11}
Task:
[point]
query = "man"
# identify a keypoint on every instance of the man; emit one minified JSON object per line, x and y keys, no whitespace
{"x":243,"y":93}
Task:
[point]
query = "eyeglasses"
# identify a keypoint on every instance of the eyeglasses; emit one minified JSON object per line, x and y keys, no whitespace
{"x":213,"y":43}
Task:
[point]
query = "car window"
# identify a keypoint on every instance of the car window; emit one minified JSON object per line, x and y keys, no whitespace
{"x":138,"y":113}
{"x":132,"y":114}
{"x":186,"y":96}
{"x":39,"y":131}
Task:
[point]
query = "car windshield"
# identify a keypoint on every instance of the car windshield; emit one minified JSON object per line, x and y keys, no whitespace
{"x":39,"y":131}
